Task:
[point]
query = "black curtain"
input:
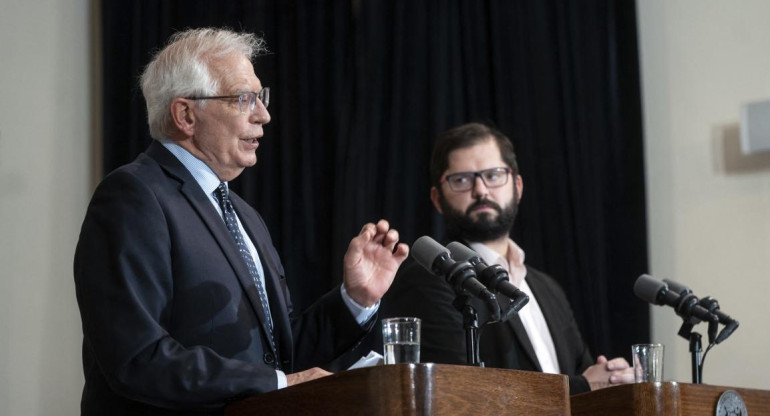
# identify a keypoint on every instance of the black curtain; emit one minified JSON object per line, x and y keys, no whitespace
{"x":361,"y":88}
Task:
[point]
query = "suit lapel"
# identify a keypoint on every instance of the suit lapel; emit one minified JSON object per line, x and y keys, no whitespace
{"x":521,"y":335}
{"x":523,"y":338}
{"x":216,"y":225}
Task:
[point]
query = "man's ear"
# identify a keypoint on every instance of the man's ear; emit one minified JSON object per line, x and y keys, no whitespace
{"x":434,"y":197}
{"x":519,"y":188}
{"x":183,"y":116}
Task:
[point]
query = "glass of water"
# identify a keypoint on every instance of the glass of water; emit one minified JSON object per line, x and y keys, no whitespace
{"x":401,"y":340}
{"x":648,"y":362}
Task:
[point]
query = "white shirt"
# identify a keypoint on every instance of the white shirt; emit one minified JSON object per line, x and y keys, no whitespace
{"x":531,"y":315}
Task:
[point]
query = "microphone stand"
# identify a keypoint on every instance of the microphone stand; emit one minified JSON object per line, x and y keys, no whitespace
{"x":687,"y":333}
{"x":695,"y":350}
{"x":471,"y":325}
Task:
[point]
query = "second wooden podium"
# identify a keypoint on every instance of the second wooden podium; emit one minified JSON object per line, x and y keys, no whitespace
{"x":667,"y":399}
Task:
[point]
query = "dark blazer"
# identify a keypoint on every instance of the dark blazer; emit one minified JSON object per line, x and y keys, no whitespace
{"x":416,"y":292}
{"x":172,"y":321}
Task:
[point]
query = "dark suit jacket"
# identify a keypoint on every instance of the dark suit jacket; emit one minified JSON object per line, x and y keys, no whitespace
{"x":171,"y":317}
{"x":416,"y":292}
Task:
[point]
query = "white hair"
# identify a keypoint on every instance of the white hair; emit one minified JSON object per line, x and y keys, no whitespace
{"x":181,"y":69}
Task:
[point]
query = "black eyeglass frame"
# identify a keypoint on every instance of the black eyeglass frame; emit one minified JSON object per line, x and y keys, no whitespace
{"x":262,"y":95}
{"x":477,"y":174}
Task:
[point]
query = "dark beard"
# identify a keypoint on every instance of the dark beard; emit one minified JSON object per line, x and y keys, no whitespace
{"x":460,"y":226}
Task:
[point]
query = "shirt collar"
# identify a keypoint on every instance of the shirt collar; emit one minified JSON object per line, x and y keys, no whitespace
{"x":201,"y":172}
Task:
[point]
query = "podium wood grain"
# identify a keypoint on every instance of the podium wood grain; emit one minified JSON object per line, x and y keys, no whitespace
{"x":669,"y":399}
{"x":417,"y":389}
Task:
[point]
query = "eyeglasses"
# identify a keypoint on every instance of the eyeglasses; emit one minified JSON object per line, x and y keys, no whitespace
{"x":247,"y":101}
{"x":464,"y":181}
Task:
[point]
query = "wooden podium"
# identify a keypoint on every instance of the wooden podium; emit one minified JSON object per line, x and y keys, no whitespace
{"x":416,"y":389}
{"x":668,"y":398}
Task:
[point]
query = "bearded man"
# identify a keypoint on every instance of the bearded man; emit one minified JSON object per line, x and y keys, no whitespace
{"x":477,"y":189}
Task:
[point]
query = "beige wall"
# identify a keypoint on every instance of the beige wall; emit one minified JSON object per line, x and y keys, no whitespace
{"x":709,"y":205}
{"x":44,"y":186}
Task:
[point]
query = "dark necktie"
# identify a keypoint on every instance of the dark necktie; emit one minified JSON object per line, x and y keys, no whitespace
{"x":221,"y":195}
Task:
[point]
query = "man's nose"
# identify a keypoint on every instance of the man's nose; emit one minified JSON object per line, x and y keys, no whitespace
{"x":260,"y":114}
{"x":479,"y":187}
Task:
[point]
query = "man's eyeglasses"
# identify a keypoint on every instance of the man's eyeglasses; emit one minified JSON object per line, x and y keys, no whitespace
{"x":464,"y":181}
{"x":247,"y":101}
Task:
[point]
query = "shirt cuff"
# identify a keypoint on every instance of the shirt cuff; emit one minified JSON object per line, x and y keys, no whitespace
{"x":360,"y":313}
{"x":281,"y":379}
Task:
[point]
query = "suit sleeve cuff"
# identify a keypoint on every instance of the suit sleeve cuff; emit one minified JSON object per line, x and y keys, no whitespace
{"x":578,"y":384}
{"x":360,"y":313}
{"x":282,"y":383}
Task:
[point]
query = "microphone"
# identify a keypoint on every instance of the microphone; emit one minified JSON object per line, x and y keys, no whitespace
{"x":494,"y":277}
{"x":652,"y":290}
{"x":460,"y":275}
{"x":686,"y":291}
{"x":711,"y":305}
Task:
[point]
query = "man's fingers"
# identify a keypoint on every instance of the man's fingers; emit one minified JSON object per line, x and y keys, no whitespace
{"x":401,"y":251}
{"x":619,"y":363}
{"x":380,"y":233}
{"x":383,"y":226}
{"x":391,"y":238}
{"x":622,"y":377}
{"x":368,"y":231}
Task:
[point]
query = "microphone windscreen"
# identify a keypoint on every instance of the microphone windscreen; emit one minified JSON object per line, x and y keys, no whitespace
{"x":461,"y":252}
{"x":425,"y":250}
{"x":647,"y":288}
